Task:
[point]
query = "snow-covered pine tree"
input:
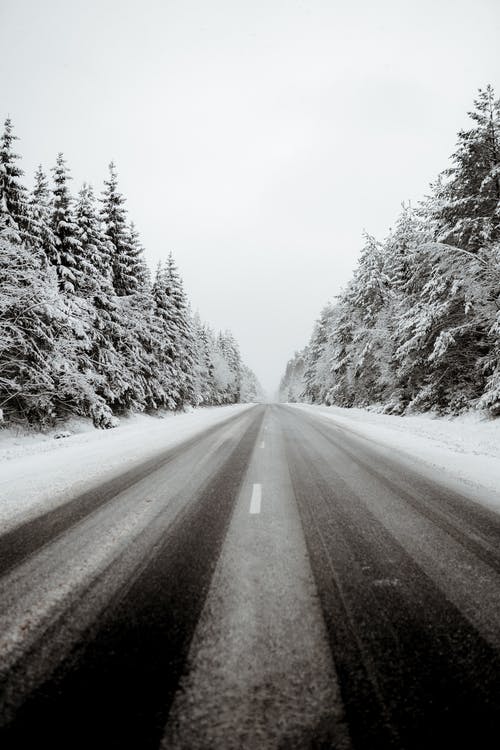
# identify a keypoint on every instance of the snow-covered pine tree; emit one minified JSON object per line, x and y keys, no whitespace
{"x":183,"y":337}
{"x":136,"y":254}
{"x":368,"y":297}
{"x":74,"y":373}
{"x":108,"y":371}
{"x":40,"y":210}
{"x":132,"y":286}
{"x":443,"y":340}
{"x":13,"y":194}
{"x":490,"y":364}
{"x":409,"y":232}
{"x":30,"y":311}
{"x":124,"y":247}
{"x":64,"y":229}
{"x":230,"y":352}
{"x":292,"y":385}
{"x":203,"y":365}
{"x":466,"y":206}
{"x":211,"y":357}
{"x":251,"y":390}
{"x":147,"y":335}
{"x":92,"y":259}
{"x":46,"y":339}
{"x":318,"y":379}
{"x":223,"y":374}
{"x":401,"y":264}
{"x":169,"y":395}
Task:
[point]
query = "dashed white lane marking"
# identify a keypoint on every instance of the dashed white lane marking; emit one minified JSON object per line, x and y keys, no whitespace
{"x":256,"y":499}
{"x":263,"y":444}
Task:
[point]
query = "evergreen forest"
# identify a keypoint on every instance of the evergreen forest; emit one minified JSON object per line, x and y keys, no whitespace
{"x":417,"y":327}
{"x":85,"y":328}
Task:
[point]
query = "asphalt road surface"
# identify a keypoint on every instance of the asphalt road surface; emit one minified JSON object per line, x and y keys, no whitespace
{"x":277,"y":581}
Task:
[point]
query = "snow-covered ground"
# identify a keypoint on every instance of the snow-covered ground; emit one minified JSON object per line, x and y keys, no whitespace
{"x":462,"y":451}
{"x":38,"y":471}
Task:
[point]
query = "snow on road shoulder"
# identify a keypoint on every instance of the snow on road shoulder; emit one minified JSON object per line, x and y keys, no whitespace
{"x":38,"y":472}
{"x":462,"y":451}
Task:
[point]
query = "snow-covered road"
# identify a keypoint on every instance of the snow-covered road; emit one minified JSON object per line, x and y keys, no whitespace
{"x":462,"y":451}
{"x":39,"y":472}
{"x":251,"y":577}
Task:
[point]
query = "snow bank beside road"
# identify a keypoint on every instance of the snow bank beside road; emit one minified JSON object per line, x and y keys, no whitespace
{"x":464,"y":451}
{"x":38,"y":472}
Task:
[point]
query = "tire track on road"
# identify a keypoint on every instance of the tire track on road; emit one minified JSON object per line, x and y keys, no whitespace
{"x":116,"y":687}
{"x":413,"y":671}
{"x":473,"y":526}
{"x":31,"y":535}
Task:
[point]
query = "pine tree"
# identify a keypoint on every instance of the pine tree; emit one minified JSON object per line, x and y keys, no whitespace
{"x":251,"y":390}
{"x":30,"y":313}
{"x":65,"y":229}
{"x":103,"y":316}
{"x":40,"y":209}
{"x":224,"y":385}
{"x":183,"y":340}
{"x":170,"y":396}
{"x":131,"y":285}
{"x":466,"y":208}
{"x":210,"y":356}
{"x":124,"y":247}
{"x":410,"y":232}
{"x":444,"y":337}
{"x":100,"y":379}
{"x":136,"y":254}
{"x":489,"y":365}
{"x":292,"y":385}
{"x":92,"y":260}
{"x":369,"y":297}
{"x":13,"y":195}
{"x":317,"y":363}
{"x":231,"y":353}
{"x":203,"y":371}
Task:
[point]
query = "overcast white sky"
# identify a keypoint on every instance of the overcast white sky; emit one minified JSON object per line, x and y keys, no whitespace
{"x":256,"y":140}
